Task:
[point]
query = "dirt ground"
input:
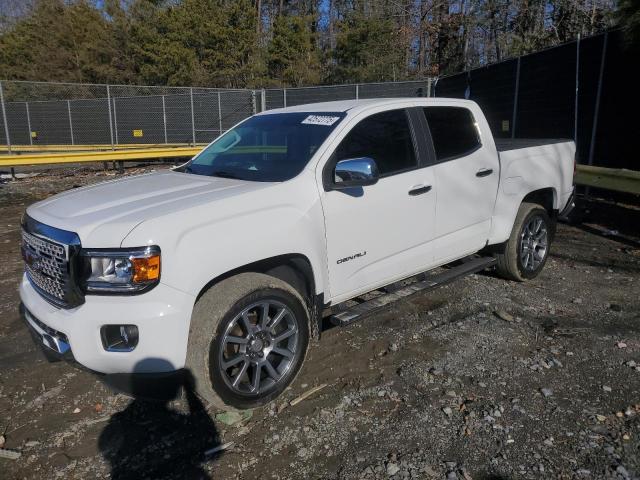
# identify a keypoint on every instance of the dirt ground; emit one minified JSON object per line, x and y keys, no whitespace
{"x":481,"y":379}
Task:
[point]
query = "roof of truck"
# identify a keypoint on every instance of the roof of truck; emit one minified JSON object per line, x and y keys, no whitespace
{"x":346,"y":105}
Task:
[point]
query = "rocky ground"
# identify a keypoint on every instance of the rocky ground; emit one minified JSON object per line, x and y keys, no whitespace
{"x":480,"y":379}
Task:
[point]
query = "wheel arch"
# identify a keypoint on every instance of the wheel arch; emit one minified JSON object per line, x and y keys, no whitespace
{"x":507,"y":206}
{"x":546,"y":197}
{"x":294,"y":269}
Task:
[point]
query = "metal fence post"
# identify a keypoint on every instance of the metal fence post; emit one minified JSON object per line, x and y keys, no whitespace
{"x":193,"y":118}
{"x":575,"y":109}
{"x":219,"y":115}
{"x":4,"y":120}
{"x":263,"y":100}
{"x":284,"y":97}
{"x":164,"y":119}
{"x":596,"y":111}
{"x":70,"y":121}
{"x":110,"y":119}
{"x":428,"y":87}
{"x":515,"y":101}
{"x":357,"y":91}
{"x":254,"y":106}
{"x":26,"y":107}
{"x":115,"y":121}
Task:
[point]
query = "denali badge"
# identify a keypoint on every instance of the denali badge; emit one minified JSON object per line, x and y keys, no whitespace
{"x":351,"y":257}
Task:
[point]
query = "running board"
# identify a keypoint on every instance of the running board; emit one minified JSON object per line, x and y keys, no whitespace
{"x":467,"y":266}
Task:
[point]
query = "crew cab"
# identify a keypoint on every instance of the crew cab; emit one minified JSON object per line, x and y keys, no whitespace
{"x":224,"y":265}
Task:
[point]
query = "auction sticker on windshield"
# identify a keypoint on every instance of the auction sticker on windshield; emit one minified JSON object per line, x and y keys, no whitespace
{"x":320,"y":120}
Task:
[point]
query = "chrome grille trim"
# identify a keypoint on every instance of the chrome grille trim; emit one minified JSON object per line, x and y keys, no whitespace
{"x":49,"y":255}
{"x":51,"y":338}
{"x":50,"y":265}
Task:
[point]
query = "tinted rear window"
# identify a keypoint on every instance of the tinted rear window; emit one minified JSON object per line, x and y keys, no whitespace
{"x":453,"y":131}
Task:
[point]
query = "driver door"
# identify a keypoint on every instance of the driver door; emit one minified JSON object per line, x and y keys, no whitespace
{"x":380,"y":233}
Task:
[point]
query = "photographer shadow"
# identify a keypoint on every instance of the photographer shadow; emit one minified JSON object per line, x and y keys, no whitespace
{"x":153,"y":437}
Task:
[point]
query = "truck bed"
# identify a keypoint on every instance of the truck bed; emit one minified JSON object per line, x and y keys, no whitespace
{"x":504,"y":144}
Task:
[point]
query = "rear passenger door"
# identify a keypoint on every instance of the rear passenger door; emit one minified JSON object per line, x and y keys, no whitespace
{"x":379,"y":233}
{"x":467,"y":177}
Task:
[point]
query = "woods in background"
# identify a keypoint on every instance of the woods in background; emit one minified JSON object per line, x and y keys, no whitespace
{"x":261,"y":43}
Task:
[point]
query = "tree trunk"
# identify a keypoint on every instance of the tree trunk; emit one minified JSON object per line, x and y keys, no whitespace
{"x":259,"y":18}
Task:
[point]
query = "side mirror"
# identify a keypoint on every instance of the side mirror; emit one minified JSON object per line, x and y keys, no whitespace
{"x":355,"y":172}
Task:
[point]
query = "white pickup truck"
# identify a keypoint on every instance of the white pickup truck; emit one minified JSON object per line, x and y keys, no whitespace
{"x":225,"y":265}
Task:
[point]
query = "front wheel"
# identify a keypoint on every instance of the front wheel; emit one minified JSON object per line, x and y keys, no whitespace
{"x":524,"y":255}
{"x":248,"y":339}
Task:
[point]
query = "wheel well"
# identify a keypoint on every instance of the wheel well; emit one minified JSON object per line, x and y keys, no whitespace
{"x":544,"y":197}
{"x":294,"y":269}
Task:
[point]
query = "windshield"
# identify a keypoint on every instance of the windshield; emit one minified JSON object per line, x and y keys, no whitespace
{"x":266,"y":148}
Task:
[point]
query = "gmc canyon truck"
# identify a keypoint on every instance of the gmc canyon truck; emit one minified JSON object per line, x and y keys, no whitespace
{"x":225,"y":265}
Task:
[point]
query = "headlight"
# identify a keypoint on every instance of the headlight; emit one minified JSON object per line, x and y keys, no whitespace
{"x":126,"y":270}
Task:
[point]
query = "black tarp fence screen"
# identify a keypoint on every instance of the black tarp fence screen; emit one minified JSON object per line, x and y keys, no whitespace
{"x":554,"y":94}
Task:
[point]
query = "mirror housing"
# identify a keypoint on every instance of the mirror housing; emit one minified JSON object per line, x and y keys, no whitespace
{"x":355,"y":172}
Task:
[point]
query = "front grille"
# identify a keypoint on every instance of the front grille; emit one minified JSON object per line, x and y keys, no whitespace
{"x":52,"y":263}
{"x":46,"y":264}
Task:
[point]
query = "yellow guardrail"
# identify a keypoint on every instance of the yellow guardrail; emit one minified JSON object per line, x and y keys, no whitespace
{"x":87,"y":147}
{"x":139,"y":154}
{"x":618,"y":179}
{"x":122,"y":155}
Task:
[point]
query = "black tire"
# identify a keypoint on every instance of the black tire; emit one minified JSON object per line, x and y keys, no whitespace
{"x":217,"y":311}
{"x":510,"y":261}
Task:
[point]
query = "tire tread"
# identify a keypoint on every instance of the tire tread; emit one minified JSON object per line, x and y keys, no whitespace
{"x":209,"y":310}
{"x":507,"y":256}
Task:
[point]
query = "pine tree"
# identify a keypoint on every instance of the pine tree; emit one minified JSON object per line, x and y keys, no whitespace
{"x":293,"y":57}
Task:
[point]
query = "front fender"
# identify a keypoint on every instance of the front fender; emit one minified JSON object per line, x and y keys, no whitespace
{"x":209,"y":240}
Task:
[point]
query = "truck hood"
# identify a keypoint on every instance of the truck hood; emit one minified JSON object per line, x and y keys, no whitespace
{"x":103,"y":214}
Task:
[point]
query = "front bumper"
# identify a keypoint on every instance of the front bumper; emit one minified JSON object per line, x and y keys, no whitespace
{"x":162,"y":316}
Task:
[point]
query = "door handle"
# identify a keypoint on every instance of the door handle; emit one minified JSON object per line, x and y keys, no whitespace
{"x":483,"y":172}
{"x":419,"y":190}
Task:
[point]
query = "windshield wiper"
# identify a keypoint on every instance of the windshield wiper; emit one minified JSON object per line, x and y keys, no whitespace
{"x":223,"y":174}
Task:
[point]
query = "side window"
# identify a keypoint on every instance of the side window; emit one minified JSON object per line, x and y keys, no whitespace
{"x":384,"y":137}
{"x":453,"y":131}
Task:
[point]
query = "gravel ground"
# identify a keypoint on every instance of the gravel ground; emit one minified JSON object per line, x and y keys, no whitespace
{"x":479,"y":379}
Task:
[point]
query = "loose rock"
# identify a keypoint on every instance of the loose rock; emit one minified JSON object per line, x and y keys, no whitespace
{"x":507,"y":317}
{"x":392,"y":469}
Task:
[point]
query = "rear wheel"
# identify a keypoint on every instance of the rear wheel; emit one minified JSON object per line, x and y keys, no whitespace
{"x":248,"y":339}
{"x":524,"y":255}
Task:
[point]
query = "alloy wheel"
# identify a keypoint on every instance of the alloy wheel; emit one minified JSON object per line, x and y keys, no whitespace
{"x":534,"y":243}
{"x":259,"y":347}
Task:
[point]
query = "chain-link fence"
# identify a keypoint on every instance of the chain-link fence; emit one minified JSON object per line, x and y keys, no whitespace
{"x":287,"y":97}
{"x":107,"y":116}
{"x":63,"y":116}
